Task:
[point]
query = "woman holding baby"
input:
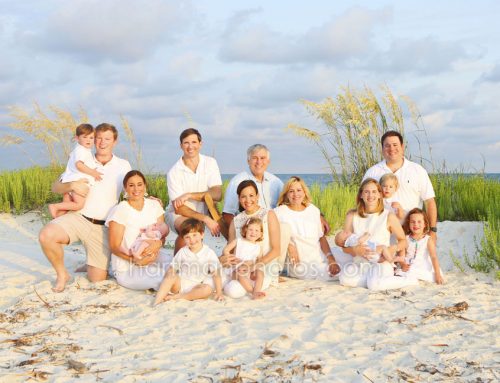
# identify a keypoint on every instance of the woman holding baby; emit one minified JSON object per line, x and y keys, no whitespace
{"x":136,"y":234}
{"x":366,"y":266}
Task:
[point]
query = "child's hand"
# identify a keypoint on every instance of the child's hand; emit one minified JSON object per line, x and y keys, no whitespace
{"x":218,"y":297}
{"x":96,"y":175}
{"x":439,"y":279}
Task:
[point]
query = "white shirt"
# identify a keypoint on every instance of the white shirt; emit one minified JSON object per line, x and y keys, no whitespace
{"x":133,"y":220}
{"x":83,"y":154}
{"x":414,"y":183}
{"x":181,"y":179}
{"x":269,"y":191}
{"x":196,"y":267}
{"x":105,"y":193}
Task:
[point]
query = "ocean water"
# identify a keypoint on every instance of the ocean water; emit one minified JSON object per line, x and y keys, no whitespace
{"x":324,"y":179}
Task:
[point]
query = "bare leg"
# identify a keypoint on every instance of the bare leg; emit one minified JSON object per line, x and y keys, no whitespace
{"x":179,"y":241}
{"x":52,"y":238}
{"x":198,"y":292}
{"x":169,"y":283}
{"x":75,"y":203}
{"x":259,"y":280}
{"x":54,"y":207}
{"x":95,"y":274}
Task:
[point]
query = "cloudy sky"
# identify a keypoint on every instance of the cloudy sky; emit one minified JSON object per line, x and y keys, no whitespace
{"x":239,"y":69}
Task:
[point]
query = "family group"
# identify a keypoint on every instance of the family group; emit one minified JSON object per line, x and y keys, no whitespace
{"x":272,"y":229}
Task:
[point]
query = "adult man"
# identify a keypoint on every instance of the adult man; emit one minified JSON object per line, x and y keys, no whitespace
{"x":269,"y":185}
{"x":415,"y":187}
{"x":87,"y":225}
{"x":193,"y":182}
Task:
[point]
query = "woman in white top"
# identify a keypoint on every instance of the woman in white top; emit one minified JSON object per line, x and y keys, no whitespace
{"x":309,"y":253}
{"x":249,"y":204}
{"x":125,"y":223}
{"x":370,"y":217}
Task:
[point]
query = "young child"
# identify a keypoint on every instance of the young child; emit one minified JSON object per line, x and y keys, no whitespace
{"x":154,"y":231}
{"x":390,"y":184}
{"x":381,"y":253}
{"x":248,"y":249}
{"x":421,"y":261}
{"x":81,"y":164}
{"x":195,"y":269}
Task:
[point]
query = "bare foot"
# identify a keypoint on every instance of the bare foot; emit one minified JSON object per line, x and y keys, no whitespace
{"x":281,"y":279}
{"x":258,"y":295}
{"x":172,"y":297}
{"x":61,"y":281}
{"x":81,"y":269}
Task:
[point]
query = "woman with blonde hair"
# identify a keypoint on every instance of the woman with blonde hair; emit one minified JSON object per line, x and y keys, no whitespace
{"x":309,"y":254}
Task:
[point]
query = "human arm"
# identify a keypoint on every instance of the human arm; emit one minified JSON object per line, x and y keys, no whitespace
{"x":80,"y":187}
{"x":358,"y":250}
{"x":228,"y":260}
{"x":399,"y":211}
{"x":116,"y":233}
{"x":324,"y":224}
{"x":333,"y":267}
{"x":274,"y":238}
{"x":431,"y":210}
{"x":80,"y":165}
{"x":431,"y":247}
{"x":215,"y":192}
{"x":228,"y":249}
{"x":394,"y":226}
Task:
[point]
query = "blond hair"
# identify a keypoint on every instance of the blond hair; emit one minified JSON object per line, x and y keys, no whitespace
{"x":283,"y":198}
{"x":389,"y":177}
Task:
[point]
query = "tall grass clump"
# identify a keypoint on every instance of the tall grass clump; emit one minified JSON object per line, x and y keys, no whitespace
{"x":353,"y":124}
{"x":334,"y":201}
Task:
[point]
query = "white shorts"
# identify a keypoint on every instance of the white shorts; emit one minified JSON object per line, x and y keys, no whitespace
{"x":188,"y":284}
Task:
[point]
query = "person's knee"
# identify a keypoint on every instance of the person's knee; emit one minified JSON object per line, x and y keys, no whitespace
{"x":50,"y":234}
{"x":96,"y":275}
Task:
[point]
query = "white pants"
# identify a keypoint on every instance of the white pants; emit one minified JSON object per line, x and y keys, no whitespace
{"x":374,"y":276}
{"x":145,"y":277}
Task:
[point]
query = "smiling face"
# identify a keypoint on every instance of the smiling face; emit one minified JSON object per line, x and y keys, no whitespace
{"x":194,"y":240}
{"x":254,"y":232}
{"x":417,"y":224}
{"x":135,"y":187}
{"x":104,"y":142}
{"x":370,"y":195}
{"x":258,"y":163}
{"x":296,"y":194}
{"x":249,"y":199}
{"x":86,"y":140}
{"x":392,"y":150}
{"x":191,"y":146}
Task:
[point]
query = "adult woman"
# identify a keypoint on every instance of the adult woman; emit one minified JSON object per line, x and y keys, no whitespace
{"x":125,"y":222}
{"x":309,"y":253}
{"x":249,"y":201}
{"x":370,"y":217}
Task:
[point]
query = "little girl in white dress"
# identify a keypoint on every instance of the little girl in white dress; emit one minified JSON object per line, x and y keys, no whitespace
{"x":421,"y":260}
{"x":249,"y":249}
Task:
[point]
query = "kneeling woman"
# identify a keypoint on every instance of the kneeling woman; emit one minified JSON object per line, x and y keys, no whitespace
{"x":249,"y":202}
{"x":126,"y":222}
{"x":309,"y":253}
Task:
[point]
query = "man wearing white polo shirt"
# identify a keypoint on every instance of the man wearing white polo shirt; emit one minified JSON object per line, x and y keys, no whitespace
{"x":87,"y":225}
{"x":194,"y":178}
{"x":269,"y":185}
{"x":415,"y":187}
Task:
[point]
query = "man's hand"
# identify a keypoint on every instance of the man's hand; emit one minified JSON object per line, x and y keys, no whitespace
{"x":80,"y":187}
{"x":212,"y":226}
{"x":180,"y":201}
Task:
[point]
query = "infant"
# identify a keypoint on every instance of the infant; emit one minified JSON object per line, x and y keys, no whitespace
{"x":154,"y":231}
{"x":379,"y":253}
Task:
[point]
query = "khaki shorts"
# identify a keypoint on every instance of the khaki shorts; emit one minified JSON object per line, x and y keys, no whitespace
{"x":93,"y":237}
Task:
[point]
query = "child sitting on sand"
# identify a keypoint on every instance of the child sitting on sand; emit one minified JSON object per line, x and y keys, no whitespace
{"x":249,"y":250}
{"x":81,"y":164}
{"x":379,"y":253}
{"x":151,"y":232}
{"x":421,"y":261}
{"x":390,"y":184}
{"x":195,"y":269}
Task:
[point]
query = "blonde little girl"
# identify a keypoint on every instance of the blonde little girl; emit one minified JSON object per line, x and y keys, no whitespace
{"x":390,"y":185}
{"x":421,"y":261}
{"x":249,"y":250}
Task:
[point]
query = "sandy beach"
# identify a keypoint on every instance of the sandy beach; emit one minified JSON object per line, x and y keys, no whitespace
{"x":304,"y":331}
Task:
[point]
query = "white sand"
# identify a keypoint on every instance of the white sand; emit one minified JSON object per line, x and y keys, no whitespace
{"x":302,"y":332}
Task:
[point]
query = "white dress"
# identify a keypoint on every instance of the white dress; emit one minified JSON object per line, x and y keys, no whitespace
{"x":126,"y":273}
{"x":247,"y":250}
{"x":195,"y":268}
{"x":417,"y":256}
{"x":306,"y":231}
{"x":234,"y":289}
{"x":375,"y":276}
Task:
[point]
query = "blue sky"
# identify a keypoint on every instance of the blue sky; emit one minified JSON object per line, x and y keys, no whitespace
{"x":239,"y":69}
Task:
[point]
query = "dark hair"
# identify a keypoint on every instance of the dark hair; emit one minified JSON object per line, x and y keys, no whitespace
{"x":245,"y":184}
{"x":361,"y":208}
{"x":84,"y":129}
{"x":188,"y":132}
{"x":191,"y":225}
{"x":406,"y":224}
{"x":132,"y":173}
{"x":391,"y":133}
{"x":104,"y":127}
